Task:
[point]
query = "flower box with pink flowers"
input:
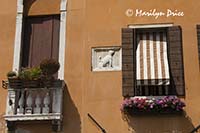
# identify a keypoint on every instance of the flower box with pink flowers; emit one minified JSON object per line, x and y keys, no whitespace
{"x":152,"y":105}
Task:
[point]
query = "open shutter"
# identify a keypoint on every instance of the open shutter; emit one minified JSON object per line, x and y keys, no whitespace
{"x":128,"y":62}
{"x":198,"y":40}
{"x":175,"y":53}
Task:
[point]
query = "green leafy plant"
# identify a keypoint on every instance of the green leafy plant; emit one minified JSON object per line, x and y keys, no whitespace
{"x":25,"y":74}
{"x":35,"y":73}
{"x":30,"y":73}
{"x":36,"y":76}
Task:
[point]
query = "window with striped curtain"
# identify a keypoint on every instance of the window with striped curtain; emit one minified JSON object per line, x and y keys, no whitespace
{"x":152,"y":68}
{"x":152,"y":62}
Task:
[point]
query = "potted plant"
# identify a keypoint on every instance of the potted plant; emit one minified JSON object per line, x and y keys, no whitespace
{"x":14,"y":81}
{"x":151,"y":105}
{"x":36,"y":76}
{"x":30,"y":77}
{"x":49,"y":68}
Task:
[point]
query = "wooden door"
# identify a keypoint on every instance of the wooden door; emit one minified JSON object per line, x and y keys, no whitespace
{"x":41,"y":39}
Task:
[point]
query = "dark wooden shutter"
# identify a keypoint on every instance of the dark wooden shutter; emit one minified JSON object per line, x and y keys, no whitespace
{"x":41,"y":39}
{"x":128,"y":62}
{"x":198,"y":40}
{"x":175,"y":54}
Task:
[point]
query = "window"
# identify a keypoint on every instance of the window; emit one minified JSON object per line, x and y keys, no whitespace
{"x":152,"y":70}
{"x":152,"y":62}
{"x":43,"y":37}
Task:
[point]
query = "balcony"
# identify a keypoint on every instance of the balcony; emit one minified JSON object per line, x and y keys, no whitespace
{"x":33,"y":104}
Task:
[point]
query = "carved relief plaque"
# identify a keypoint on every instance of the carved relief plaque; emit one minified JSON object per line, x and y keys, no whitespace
{"x":106,"y":59}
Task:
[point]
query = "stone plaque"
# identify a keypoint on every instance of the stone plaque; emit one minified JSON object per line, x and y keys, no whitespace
{"x":106,"y":59}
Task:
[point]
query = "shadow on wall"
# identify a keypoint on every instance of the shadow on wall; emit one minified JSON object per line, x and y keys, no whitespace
{"x":159,"y":123}
{"x":71,"y":119}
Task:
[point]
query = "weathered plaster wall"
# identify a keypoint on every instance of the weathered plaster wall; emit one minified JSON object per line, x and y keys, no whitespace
{"x":8,"y":12}
{"x":41,"y":7}
{"x":102,"y":90}
{"x":7,"y":33}
{"x":93,"y":23}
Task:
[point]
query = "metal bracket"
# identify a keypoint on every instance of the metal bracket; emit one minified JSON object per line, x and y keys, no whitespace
{"x":4,"y":84}
{"x":97,"y":124}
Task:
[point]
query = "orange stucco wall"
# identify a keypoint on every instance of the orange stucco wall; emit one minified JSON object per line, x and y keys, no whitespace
{"x":41,"y":7}
{"x":7,"y":32}
{"x":97,"y":23}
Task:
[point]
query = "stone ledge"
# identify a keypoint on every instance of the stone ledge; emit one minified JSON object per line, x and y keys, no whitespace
{"x":32,"y":117}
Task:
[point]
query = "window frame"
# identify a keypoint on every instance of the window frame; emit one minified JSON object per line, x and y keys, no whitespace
{"x":153,"y":90}
{"x":19,"y":34}
{"x":175,"y":56}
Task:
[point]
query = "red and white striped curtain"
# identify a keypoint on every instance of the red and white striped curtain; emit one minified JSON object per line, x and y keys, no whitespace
{"x":152,"y":66}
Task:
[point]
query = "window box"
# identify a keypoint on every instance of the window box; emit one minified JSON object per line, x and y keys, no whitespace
{"x":151,"y":112}
{"x":15,"y":83}
{"x":31,"y":83}
{"x":21,"y":84}
{"x":152,"y":105}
